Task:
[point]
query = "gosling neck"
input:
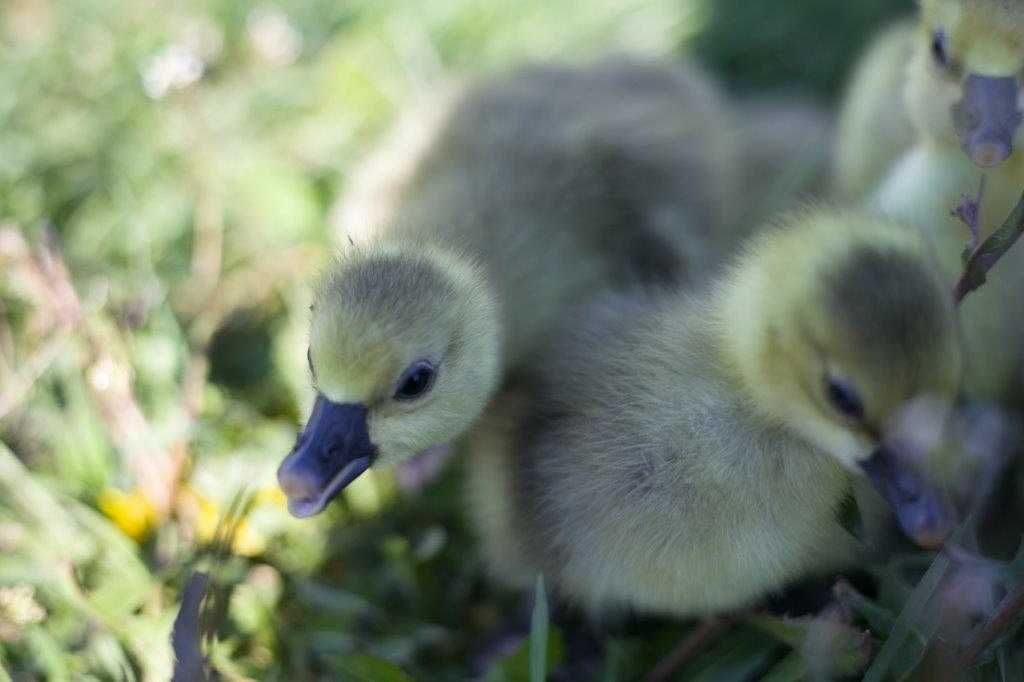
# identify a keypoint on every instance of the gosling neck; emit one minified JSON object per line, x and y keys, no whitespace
{"x":744,"y":309}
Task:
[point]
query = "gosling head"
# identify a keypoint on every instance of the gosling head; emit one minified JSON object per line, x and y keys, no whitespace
{"x":965,"y":75}
{"x":404,"y":354}
{"x":842,"y":329}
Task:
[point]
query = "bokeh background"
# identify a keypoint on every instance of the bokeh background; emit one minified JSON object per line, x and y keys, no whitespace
{"x":167,"y":170}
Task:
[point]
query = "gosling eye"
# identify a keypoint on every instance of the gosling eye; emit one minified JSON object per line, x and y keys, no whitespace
{"x":844,"y":397}
{"x":416,"y":380}
{"x":939,"y":49}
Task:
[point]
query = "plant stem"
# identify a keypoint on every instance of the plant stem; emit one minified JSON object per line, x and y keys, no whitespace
{"x":988,"y":253}
{"x":690,"y":646}
{"x":1006,"y":613}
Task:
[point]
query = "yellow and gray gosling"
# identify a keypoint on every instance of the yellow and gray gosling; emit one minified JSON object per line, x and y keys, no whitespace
{"x":535,"y":190}
{"x":686,"y":453}
{"x":962,"y":95}
{"x":950,"y":78}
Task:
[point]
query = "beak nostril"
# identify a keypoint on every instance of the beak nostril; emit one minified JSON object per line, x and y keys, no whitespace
{"x":334,"y":454}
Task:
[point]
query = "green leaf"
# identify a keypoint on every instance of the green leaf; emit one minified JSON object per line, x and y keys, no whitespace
{"x":363,"y":668}
{"x":615,"y":653}
{"x":516,"y":666}
{"x":788,"y":631}
{"x":539,"y":633}
{"x":909,"y":617}
{"x":332,"y":600}
{"x":879,"y":618}
{"x":48,"y":654}
{"x":740,"y":655}
{"x":789,"y":669}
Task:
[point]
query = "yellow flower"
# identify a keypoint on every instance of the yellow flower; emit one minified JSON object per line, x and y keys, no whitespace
{"x":132,"y":512}
{"x":207,"y":515}
{"x":272,"y":496}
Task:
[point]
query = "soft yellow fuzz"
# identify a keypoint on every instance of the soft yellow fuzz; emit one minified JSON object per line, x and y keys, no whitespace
{"x":985,"y":36}
{"x":382,"y":308}
{"x":675,"y":452}
{"x":873,"y":127}
{"x":522,"y":195}
{"x":919,"y":178}
{"x":981,"y":37}
{"x":780,"y":331}
{"x":897,"y":84}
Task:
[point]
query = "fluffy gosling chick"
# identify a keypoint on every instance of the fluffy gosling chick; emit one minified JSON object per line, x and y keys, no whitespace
{"x":688,"y":452}
{"x":962,"y":95}
{"x":954,"y":76}
{"x":874,"y":128}
{"x":537,"y":189}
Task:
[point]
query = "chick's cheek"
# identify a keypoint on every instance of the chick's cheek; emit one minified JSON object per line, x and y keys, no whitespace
{"x":400,"y":434}
{"x":931,"y":92}
{"x":373,"y":428}
{"x":848,"y":447}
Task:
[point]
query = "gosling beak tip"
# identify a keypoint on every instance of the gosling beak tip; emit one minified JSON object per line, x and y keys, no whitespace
{"x":311,"y":500}
{"x":989,"y":154}
{"x":924,"y":513}
{"x":928,"y":522}
{"x":987,"y":118}
{"x":333,"y":450}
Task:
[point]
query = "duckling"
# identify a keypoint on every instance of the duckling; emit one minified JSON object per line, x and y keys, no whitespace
{"x":874,"y":128}
{"x":949,"y":78}
{"x":538,"y":189}
{"x":962,"y":97}
{"x":687,"y":451}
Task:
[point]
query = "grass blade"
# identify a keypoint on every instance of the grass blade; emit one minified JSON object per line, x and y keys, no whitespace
{"x":911,"y":613}
{"x":539,"y":633}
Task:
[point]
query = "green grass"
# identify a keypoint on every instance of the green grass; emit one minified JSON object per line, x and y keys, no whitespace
{"x":159,"y":228}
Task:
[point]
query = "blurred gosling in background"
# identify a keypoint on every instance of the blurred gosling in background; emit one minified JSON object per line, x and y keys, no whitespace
{"x":533,"y":191}
{"x":688,"y":452}
{"x":960,"y":92}
{"x":874,"y":127}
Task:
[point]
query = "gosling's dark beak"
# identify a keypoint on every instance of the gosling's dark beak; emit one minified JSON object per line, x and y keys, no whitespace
{"x":987,"y":117}
{"x":924,"y":513}
{"x":332,"y":451}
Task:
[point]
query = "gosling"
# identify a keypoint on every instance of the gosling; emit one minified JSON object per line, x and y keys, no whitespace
{"x":536,"y":190}
{"x":874,"y":128}
{"x":688,"y":452}
{"x":962,"y":96}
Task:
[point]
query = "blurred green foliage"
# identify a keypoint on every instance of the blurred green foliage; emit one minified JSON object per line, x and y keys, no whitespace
{"x":803,"y":45}
{"x":166,"y":173}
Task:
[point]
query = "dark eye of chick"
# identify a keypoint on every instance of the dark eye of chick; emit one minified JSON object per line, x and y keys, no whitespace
{"x":844,"y":397}
{"x":939,"y":52}
{"x":416,"y":381}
